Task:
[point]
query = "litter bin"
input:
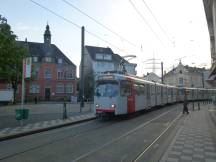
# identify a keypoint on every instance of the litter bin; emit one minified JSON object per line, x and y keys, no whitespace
{"x":19,"y":114}
{"x":25,"y":113}
{"x":22,"y":114}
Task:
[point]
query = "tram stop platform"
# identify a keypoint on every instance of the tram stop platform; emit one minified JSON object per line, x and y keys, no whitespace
{"x":195,"y":141}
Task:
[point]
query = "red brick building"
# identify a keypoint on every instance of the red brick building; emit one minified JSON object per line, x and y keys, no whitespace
{"x":53,"y":74}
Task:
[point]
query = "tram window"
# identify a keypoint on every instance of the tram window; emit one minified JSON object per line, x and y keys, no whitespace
{"x":137,"y":89}
{"x":158,"y":90}
{"x":152,"y":90}
{"x":142,"y":89}
{"x":107,"y":89}
{"x":125,"y":88}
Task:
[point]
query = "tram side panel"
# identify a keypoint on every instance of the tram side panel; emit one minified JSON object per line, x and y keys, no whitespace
{"x":140,"y":95}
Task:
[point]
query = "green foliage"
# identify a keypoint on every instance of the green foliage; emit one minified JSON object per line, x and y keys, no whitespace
{"x":11,"y":55}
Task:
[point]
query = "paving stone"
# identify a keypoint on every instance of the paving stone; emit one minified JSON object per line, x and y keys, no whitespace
{"x":210,"y":160}
{"x":193,"y":142}
{"x":200,"y":156}
{"x":186,"y":157}
{"x":172,"y":160}
{"x":210,"y":154}
{"x":187,"y":151}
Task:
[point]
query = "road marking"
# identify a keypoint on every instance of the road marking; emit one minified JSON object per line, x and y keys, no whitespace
{"x":141,"y":154}
{"x":118,"y":138}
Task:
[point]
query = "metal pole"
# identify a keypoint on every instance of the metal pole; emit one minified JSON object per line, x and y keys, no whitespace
{"x":82,"y":70}
{"x":23,"y":89}
{"x":203,"y":80}
{"x":162,"y":79}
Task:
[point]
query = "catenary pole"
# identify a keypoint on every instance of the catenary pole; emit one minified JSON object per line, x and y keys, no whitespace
{"x":82,"y":70}
{"x":162,"y":79}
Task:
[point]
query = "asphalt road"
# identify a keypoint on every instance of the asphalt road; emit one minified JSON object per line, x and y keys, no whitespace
{"x":121,"y":139}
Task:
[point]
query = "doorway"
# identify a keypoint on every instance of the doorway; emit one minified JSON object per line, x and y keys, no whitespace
{"x":47,"y":94}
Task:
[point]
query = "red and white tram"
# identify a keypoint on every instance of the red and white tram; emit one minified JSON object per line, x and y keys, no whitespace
{"x":119,"y":94}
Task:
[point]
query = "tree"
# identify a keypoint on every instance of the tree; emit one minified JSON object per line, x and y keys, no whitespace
{"x":11,"y":56}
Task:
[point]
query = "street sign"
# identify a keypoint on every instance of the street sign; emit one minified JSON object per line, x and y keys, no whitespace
{"x":27,"y":67}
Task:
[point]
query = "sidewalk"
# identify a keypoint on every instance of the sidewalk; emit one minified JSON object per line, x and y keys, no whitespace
{"x":40,"y":112}
{"x":195,"y":140}
{"x":9,"y":133}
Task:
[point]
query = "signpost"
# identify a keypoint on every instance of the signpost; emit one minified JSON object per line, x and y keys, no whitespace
{"x":26,"y":73}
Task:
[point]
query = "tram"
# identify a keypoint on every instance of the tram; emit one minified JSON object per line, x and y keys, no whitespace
{"x":119,"y":94}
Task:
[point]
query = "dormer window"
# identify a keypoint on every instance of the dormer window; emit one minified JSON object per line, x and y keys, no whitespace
{"x":48,"y":59}
{"x":35,"y":59}
{"x":99,"y":56}
{"x":103,"y":56}
{"x":107,"y":57}
{"x":59,"y":60}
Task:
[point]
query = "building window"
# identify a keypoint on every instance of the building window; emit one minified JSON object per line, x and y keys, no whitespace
{"x":35,"y":59}
{"x":60,"y":74}
{"x":60,"y":61}
{"x":48,"y":59}
{"x":34,"y":88}
{"x":102,"y":56}
{"x":181,"y":81}
{"x":47,"y":74}
{"x":69,"y":75}
{"x":180,"y":71}
{"x":100,"y":64}
{"x":107,"y":57}
{"x":60,"y":88}
{"x":35,"y":72}
{"x":99,"y":56}
{"x":69,"y":88}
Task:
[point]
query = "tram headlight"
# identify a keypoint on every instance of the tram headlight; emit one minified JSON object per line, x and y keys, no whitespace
{"x":113,"y":106}
{"x":97,"y":106}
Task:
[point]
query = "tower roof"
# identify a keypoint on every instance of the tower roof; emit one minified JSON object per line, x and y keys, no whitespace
{"x":47,"y":31}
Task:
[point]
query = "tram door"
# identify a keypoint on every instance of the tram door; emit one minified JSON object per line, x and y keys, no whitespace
{"x":131,"y":100}
{"x":127,"y":97}
{"x":148,"y":95}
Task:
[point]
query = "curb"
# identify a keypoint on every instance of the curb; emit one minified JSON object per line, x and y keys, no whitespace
{"x":21,"y":134}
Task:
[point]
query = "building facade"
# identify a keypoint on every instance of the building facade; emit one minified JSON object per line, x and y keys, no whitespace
{"x":210,"y":11}
{"x":185,"y":76}
{"x":98,"y":60}
{"x":53,"y":74}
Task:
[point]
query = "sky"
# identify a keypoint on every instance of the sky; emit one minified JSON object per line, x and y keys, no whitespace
{"x":176,"y":30}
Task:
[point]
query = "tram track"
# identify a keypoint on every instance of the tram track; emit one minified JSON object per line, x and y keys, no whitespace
{"x":82,"y":131}
{"x":60,"y":139}
{"x":139,"y":156}
{"x":115,"y":140}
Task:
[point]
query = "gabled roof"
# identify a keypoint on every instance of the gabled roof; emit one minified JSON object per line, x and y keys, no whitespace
{"x":40,"y":50}
{"x":92,"y":50}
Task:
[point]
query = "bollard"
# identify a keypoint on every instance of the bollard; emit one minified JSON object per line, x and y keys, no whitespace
{"x":64,"y":111}
{"x":198,"y":105}
{"x":193,"y":106}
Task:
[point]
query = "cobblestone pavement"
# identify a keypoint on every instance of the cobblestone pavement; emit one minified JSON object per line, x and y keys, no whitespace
{"x":194,"y":141}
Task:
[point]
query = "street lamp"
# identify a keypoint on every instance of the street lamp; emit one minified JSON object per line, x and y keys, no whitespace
{"x":122,"y":62}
